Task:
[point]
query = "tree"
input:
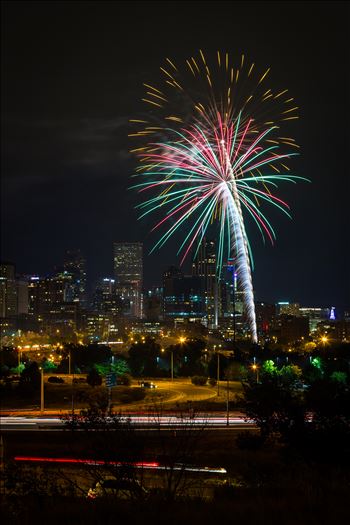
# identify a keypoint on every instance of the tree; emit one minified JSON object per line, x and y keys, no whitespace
{"x":8,"y":360}
{"x":143,"y":358}
{"x":119,"y":367}
{"x":30,"y":379}
{"x":190,"y":355}
{"x":274,"y":404}
{"x":94,"y":378}
{"x":84,"y":357}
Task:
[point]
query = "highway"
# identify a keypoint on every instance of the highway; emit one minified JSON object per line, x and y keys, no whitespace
{"x":211,"y":421}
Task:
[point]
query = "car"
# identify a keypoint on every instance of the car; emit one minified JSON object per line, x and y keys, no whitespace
{"x":13,"y":378}
{"x":79,"y":380}
{"x":147,"y":384}
{"x":122,"y":488}
{"x":55,"y":379}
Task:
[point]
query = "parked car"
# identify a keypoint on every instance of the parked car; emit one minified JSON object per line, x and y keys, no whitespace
{"x":13,"y":378}
{"x":147,"y":384}
{"x":55,"y":379}
{"x":123,"y":488}
{"x":79,"y":380}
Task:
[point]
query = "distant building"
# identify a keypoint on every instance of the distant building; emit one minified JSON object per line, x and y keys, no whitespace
{"x":75,"y":277}
{"x":265,"y":317}
{"x":183,"y":296}
{"x":335,"y":330}
{"x":204,"y":266}
{"x":286,"y":308}
{"x":105,"y":298}
{"x":289,"y":328}
{"x":315,"y":316}
{"x":8,"y":290}
{"x":22,"y":296}
{"x":96,"y":326}
{"x":152,"y":304}
{"x":62,"y":320}
{"x":44,"y":293}
{"x":128,"y":272}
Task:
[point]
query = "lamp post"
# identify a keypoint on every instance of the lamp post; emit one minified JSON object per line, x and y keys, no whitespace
{"x":42,"y":408}
{"x":227,"y":401}
{"x":172,"y":364}
{"x":256,"y":370}
{"x":72,"y":381}
{"x":218,"y":373}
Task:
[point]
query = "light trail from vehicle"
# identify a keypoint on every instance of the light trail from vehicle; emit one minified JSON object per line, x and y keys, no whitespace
{"x":138,"y":464}
{"x":139,"y":421}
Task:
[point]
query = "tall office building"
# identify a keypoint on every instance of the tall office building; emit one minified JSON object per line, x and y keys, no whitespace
{"x":22,"y":296}
{"x":128,"y":272}
{"x":182,"y":296}
{"x":315,"y":315}
{"x":75,"y":275}
{"x":204,"y":266}
{"x":44,"y":293}
{"x":8,"y":290}
{"x":105,"y":298}
{"x":286,"y":308}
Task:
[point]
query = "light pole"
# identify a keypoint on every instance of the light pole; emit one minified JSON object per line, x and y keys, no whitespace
{"x":72,"y":381}
{"x":256,"y":370}
{"x":172,"y":364}
{"x":218,"y":373}
{"x":227,"y":402}
{"x":42,"y":408}
{"x":69,"y":363}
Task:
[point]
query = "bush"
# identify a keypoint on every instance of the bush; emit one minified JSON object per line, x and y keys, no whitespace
{"x":249,"y":440}
{"x":199,"y":380}
{"x":212,"y":381}
{"x":124,"y":379}
{"x":125,"y":398}
{"x":94,"y":378}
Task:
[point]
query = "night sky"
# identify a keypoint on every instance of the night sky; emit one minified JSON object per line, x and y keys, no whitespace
{"x":72,"y":76}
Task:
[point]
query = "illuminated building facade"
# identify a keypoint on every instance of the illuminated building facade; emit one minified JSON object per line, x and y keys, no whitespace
{"x":315,"y":316}
{"x":128,"y":272}
{"x":183,"y":296}
{"x":75,"y":276}
{"x":286,"y":308}
{"x":8,"y":290}
{"x":204,"y":266}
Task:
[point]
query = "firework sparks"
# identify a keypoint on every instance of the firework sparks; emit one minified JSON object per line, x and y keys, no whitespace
{"x":214,"y":153}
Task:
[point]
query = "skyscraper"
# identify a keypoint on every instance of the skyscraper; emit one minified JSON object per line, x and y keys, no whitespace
{"x":128,"y":272}
{"x":182,"y":296}
{"x":8,"y":290}
{"x":204,"y":266}
{"x":105,"y":298}
{"x":75,"y":269}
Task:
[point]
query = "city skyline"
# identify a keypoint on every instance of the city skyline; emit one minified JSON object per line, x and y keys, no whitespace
{"x":66,"y":162}
{"x":191,"y":270}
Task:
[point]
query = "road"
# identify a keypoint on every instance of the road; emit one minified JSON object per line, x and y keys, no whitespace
{"x":168,"y":394}
{"x":217,"y":420}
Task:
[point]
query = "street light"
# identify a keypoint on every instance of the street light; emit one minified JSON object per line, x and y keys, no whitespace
{"x":218,"y":373}
{"x":19,"y":359}
{"x":69,"y":362}
{"x":171,"y":363}
{"x":42,"y":408}
{"x":256,"y":370}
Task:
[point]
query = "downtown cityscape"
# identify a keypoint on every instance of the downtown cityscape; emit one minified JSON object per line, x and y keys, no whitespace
{"x":63,"y":308}
{"x":174,"y":270}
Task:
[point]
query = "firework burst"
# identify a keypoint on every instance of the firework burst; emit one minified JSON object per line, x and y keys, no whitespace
{"x":212,"y":152}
